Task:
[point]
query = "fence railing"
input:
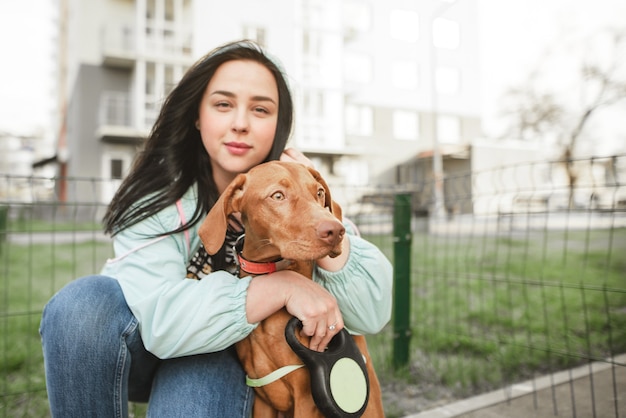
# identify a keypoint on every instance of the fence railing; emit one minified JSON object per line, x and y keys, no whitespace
{"x":524,"y":276}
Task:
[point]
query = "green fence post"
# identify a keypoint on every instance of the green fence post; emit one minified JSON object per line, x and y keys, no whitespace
{"x":4,"y":219}
{"x":402,"y":279}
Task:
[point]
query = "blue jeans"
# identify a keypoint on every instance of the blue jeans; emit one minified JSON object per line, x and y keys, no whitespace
{"x":95,"y":363}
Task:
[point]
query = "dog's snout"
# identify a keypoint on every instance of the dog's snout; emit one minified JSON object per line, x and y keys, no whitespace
{"x":330,"y":231}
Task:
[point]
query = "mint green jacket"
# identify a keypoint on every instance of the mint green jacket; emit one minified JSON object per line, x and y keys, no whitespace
{"x":179,"y":316}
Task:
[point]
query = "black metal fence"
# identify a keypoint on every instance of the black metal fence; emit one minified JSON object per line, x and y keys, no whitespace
{"x":522,"y":275}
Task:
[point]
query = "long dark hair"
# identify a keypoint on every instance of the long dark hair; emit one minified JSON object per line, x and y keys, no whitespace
{"x":174,"y":157}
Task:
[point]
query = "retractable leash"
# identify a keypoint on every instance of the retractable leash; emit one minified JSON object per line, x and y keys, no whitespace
{"x":339,"y":380}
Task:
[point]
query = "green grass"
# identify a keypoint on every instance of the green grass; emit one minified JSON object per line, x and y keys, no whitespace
{"x":492,"y":310}
{"x":24,"y":225}
{"x":31,"y":274}
{"x":487,"y":310}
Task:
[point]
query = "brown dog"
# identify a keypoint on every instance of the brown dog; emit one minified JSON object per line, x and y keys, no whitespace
{"x":303,"y":228}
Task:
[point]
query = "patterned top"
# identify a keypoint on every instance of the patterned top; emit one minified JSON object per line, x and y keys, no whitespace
{"x":201,"y":264}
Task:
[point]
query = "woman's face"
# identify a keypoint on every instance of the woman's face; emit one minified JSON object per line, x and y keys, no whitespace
{"x":237,"y":118}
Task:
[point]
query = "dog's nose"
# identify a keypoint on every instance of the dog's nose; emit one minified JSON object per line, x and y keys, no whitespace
{"x":330,"y":231}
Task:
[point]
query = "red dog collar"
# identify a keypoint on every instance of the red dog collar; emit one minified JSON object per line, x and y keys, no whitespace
{"x":252,"y":267}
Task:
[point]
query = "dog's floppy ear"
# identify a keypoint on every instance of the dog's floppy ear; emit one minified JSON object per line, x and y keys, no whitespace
{"x":213,"y":229}
{"x":336,"y":210}
{"x":334,"y":207}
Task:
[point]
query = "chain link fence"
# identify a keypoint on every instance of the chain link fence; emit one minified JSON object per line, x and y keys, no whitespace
{"x":523,"y":275}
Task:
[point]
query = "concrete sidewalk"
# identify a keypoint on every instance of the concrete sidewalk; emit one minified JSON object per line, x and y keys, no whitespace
{"x":595,"y":390}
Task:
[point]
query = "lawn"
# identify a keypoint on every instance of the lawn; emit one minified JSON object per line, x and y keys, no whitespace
{"x":487,"y":310}
{"x":491,"y":310}
{"x":31,"y":274}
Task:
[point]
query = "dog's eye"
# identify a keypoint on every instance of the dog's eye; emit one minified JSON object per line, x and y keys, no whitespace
{"x":321,"y":194}
{"x":278,"y":196}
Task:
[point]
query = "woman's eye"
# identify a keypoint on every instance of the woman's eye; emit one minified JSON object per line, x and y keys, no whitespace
{"x":261,"y":110}
{"x":278,"y":196}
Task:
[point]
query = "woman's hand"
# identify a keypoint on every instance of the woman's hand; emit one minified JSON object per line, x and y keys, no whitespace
{"x":292,"y":155}
{"x":303,"y":298}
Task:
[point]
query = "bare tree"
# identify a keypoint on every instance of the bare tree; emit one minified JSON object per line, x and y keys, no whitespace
{"x":533,"y":112}
{"x":536,"y":112}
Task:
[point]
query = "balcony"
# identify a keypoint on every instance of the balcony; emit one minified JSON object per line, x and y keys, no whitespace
{"x":116,"y":119}
{"x":120,"y":46}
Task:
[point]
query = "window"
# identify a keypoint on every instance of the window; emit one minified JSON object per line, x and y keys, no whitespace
{"x":404,"y":74}
{"x":358,"y":68}
{"x":355,"y":172}
{"x":404,"y":25}
{"x":449,"y":129}
{"x":446,"y":33}
{"x":359,"y":120}
{"x":448,"y":80}
{"x":149,"y":9}
{"x":150,"y":87}
{"x":311,"y":44}
{"x":117,"y":169}
{"x":169,"y":10}
{"x":254,"y":33}
{"x":170,"y":78}
{"x":356,"y":16}
{"x":321,"y":61}
{"x":405,"y":125}
{"x":312,"y":104}
{"x":313,"y":13}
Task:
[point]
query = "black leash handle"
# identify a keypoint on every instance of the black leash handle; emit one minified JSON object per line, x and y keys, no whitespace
{"x":339,"y":379}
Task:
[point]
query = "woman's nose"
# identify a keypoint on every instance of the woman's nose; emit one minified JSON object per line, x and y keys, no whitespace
{"x":241,"y":122}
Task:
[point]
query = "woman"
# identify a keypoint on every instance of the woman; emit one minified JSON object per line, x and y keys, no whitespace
{"x":142,"y":331}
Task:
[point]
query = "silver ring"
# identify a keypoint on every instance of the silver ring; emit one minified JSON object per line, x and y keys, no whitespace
{"x":332,"y":326}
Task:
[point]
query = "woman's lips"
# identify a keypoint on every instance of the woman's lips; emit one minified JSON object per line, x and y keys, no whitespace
{"x":237,"y":148}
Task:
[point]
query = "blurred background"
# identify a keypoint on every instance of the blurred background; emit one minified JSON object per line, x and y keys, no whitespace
{"x":480,"y":144}
{"x":385,"y":91}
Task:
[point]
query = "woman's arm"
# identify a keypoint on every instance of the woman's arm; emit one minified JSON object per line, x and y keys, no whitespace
{"x":302,"y":297}
{"x":177,"y":316}
{"x":362,"y":285}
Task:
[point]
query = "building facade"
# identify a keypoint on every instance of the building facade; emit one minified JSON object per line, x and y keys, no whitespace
{"x":376,"y":84}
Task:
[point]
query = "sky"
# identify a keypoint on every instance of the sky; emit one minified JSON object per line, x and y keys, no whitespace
{"x":516,"y":35}
{"x":26,"y":73}
{"x":519,"y":36}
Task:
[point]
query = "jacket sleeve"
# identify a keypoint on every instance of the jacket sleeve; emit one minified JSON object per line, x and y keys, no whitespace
{"x":362,"y":287}
{"x":176,"y":316}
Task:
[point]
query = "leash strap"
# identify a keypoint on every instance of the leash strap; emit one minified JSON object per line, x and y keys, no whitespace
{"x":181,"y":214}
{"x":272,"y":377}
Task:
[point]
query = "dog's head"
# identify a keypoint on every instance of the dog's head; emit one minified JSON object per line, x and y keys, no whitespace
{"x":286,"y":209}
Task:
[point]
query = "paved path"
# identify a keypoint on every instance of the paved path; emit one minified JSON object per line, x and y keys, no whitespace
{"x":572,"y":393}
{"x":57,"y":237}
